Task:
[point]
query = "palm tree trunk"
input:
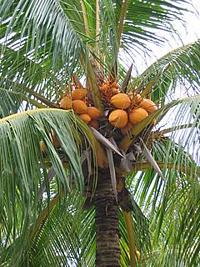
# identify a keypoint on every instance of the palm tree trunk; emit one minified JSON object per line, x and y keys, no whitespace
{"x":107,"y":238}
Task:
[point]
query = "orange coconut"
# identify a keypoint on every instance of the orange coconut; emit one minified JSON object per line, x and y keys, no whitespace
{"x":149,"y":105}
{"x":85,"y":117}
{"x":118,"y":118}
{"x":127,"y":128}
{"x":94,"y":113}
{"x":66,"y":102}
{"x":79,"y":94}
{"x":79,"y":106}
{"x":94,"y":124}
{"x":121,"y":101}
{"x":137,"y":114}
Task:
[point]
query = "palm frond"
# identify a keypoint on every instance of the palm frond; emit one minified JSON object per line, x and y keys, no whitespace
{"x":43,"y":21}
{"x":144,"y":20}
{"x":178,"y":69}
{"x":21,"y":74}
{"x":188,"y":104}
{"x":140,"y":230}
{"x":65,"y":236}
{"x":24,"y":166}
{"x":174,"y":197}
{"x":179,"y":155}
{"x":40,"y":53}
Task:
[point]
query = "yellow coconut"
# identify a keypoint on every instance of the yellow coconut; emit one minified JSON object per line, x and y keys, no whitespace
{"x":149,"y":105}
{"x":94,"y":113}
{"x":79,"y":94}
{"x":85,"y":117}
{"x":94,"y":124}
{"x":79,"y":106}
{"x":121,"y":101}
{"x":127,"y":128}
{"x":137,"y":114}
{"x":118,"y":118}
{"x":66,"y":102}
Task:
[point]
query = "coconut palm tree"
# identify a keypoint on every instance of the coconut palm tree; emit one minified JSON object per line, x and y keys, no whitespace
{"x":73,"y":194}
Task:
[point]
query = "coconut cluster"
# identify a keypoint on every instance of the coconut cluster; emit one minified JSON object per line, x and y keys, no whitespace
{"x":129,"y":109}
{"x":78,"y":102}
{"x":125,"y":110}
{"x":108,"y":89}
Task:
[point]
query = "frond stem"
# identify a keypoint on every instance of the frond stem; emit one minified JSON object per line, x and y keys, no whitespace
{"x":85,"y":20}
{"x":29,"y":112}
{"x":172,"y":129}
{"x":122,"y":17}
{"x":97,"y":22}
{"x":131,"y":239}
{"x":85,"y":61}
{"x":43,"y":216}
{"x":142,"y":166}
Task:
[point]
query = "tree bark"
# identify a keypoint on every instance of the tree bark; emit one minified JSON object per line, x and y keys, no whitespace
{"x":107,"y":238}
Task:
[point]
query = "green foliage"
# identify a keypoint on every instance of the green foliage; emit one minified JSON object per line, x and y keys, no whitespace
{"x":42,"y":220}
{"x":24,"y":168}
{"x":177,"y":69}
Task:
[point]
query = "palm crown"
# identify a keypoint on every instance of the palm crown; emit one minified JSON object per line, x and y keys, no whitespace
{"x":72,"y":194}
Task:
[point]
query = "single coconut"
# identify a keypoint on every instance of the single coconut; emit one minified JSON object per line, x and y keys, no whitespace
{"x":79,"y":94}
{"x":94,"y":124}
{"x":118,"y":118}
{"x":121,"y":101}
{"x":85,"y":117}
{"x":149,"y":105}
{"x":79,"y":106}
{"x":127,"y":128}
{"x":137,"y":114}
{"x":94,"y":113}
{"x":66,"y":102}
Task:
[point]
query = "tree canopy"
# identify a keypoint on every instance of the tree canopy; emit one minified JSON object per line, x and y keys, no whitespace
{"x":46,"y":45}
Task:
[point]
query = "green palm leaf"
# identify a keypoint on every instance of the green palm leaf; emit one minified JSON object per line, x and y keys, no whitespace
{"x":43,"y":220}
{"x":178,"y":68}
{"x":24,"y":167}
